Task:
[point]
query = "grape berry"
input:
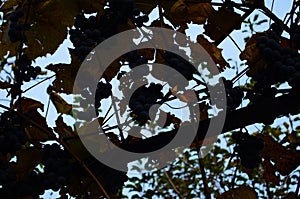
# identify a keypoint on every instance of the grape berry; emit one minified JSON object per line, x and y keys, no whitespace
{"x":248,"y":148}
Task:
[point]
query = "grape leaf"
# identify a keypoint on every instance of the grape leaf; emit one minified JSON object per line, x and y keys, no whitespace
{"x":5,"y":85}
{"x":217,"y":29}
{"x":113,"y":69}
{"x":286,"y":160}
{"x":213,"y":51}
{"x":253,"y":56}
{"x":91,"y":6}
{"x":147,"y":6}
{"x":242,"y":192}
{"x":29,"y":108}
{"x":185,"y":11}
{"x":27,"y":105}
{"x":60,"y":104}
{"x":63,"y":129}
{"x":27,"y":159}
{"x":65,"y":75}
{"x":50,"y":20}
{"x":269,"y":173}
{"x":10,"y":4}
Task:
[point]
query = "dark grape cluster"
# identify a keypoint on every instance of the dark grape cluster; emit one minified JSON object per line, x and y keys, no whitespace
{"x":57,"y":167}
{"x":24,"y":71}
{"x":12,"y":134}
{"x":103,"y":91}
{"x":283,"y":63}
{"x":180,"y":64}
{"x":16,"y":29}
{"x":234,"y":95}
{"x":135,"y":59}
{"x":142,"y":100}
{"x":89,"y":32}
{"x":248,"y":148}
{"x":13,"y":188}
{"x":86,"y":35}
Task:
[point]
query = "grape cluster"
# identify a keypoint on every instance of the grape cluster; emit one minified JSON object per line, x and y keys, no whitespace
{"x":180,"y":64}
{"x":13,"y":188}
{"x":283,"y":63}
{"x":12,"y":134}
{"x":16,"y":30}
{"x":135,"y":59}
{"x":57,"y":167}
{"x":89,"y":32}
{"x":24,"y":71}
{"x":234,"y":95}
{"x":142,"y":100}
{"x":103,"y":91}
{"x":86,"y":35}
{"x":248,"y":148}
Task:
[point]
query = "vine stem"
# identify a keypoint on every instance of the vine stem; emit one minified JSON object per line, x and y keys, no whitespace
{"x":173,"y":185}
{"x":204,"y":179}
{"x":238,"y":76}
{"x":31,"y":87}
{"x":202,"y":170}
{"x":161,"y":16}
{"x":50,"y":134}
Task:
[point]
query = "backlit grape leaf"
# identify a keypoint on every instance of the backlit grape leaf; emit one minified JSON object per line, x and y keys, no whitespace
{"x":92,"y":6}
{"x":166,"y":119}
{"x":285,"y":160}
{"x":113,"y":69}
{"x":147,"y":6}
{"x":10,"y":4}
{"x":269,"y":173}
{"x":63,"y":129}
{"x":5,"y":85}
{"x":222,"y":23}
{"x":27,"y":160}
{"x":213,"y":51}
{"x":128,"y":26}
{"x":147,"y":53}
{"x":60,"y":104}
{"x":185,"y":11}
{"x":291,"y":195}
{"x":50,"y":20}
{"x":252,"y":55}
{"x":242,"y":192}
{"x":29,"y":107}
{"x":158,"y":23}
{"x":188,"y":96}
{"x":65,"y":75}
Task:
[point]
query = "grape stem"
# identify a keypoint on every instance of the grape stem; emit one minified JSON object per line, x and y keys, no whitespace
{"x":66,"y":147}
